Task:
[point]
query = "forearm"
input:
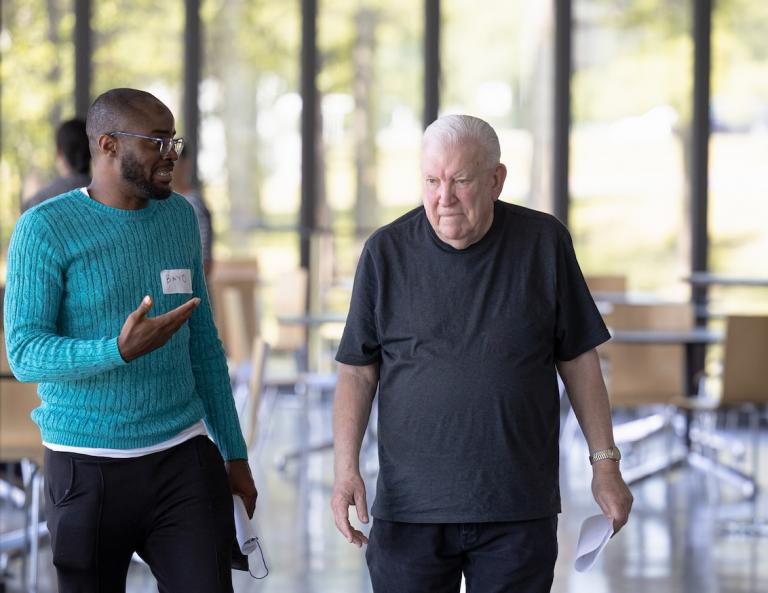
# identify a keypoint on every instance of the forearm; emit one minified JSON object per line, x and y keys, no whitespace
{"x":36,"y":356}
{"x":222,"y":421}
{"x":589,"y":398}
{"x":209,"y":367}
{"x":355,"y":390}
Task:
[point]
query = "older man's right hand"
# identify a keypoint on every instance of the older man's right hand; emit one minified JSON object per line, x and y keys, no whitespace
{"x":141,"y":334}
{"x":348,"y":490}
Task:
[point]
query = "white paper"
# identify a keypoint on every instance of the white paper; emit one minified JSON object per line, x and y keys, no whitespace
{"x":246,"y":536}
{"x":593,"y":537}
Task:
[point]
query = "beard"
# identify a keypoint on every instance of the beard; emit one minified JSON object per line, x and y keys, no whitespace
{"x":132,"y":172}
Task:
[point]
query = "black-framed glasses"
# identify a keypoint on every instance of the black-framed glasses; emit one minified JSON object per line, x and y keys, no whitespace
{"x":165,"y":144}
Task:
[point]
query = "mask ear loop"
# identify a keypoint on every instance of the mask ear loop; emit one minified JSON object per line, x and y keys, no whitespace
{"x":263,"y":563}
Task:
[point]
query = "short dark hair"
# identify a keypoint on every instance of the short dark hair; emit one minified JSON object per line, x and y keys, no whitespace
{"x":72,"y":144}
{"x":112,"y":109}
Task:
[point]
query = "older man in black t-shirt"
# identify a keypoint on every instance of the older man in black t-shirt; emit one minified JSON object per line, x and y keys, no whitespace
{"x":461,"y":314}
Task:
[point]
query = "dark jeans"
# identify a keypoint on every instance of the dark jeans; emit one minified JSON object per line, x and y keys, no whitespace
{"x":173,"y":507}
{"x":514,"y":557}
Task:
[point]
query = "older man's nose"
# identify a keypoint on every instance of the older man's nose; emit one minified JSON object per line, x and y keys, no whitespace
{"x":445,"y":193}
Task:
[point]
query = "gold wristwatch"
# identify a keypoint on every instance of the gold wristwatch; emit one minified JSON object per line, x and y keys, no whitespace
{"x":610,"y":453}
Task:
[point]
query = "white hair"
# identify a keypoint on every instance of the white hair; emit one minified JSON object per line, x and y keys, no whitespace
{"x":458,"y":129}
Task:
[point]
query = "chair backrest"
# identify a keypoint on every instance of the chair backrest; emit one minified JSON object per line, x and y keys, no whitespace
{"x":745,"y":360}
{"x":603,"y":284}
{"x":234,"y":290}
{"x":233,"y":325}
{"x":19,"y":436}
{"x":645,"y":374}
{"x":290,"y":300}
{"x":250,"y":419}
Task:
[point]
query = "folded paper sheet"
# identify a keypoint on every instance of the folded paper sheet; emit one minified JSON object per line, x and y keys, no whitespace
{"x":246,"y":537}
{"x":593,"y":537}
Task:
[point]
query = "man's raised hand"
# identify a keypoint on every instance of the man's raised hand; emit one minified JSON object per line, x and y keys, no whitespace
{"x":141,"y":334}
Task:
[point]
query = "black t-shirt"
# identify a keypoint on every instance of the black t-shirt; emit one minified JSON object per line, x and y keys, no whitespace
{"x":467,"y":341}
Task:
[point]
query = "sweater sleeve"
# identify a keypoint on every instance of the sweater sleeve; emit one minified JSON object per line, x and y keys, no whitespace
{"x":209,"y":366}
{"x":34,"y":288}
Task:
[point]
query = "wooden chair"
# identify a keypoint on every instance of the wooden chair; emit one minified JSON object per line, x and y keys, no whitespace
{"x":741,"y":387}
{"x":604,"y":290}
{"x":606,"y":284}
{"x":290,"y":300}
{"x":249,"y":419}
{"x":20,"y":444}
{"x":647,"y":374}
{"x":234,"y":290}
{"x":233,"y":324}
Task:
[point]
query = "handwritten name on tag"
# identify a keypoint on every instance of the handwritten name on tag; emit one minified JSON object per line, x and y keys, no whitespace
{"x":176,"y":281}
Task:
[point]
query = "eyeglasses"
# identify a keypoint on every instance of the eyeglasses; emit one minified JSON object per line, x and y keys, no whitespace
{"x":166,"y":144}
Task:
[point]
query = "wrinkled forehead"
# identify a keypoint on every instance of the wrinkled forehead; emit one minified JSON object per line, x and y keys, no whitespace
{"x":463,"y":152}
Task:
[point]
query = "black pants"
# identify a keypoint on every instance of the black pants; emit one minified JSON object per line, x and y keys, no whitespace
{"x":515,"y":557}
{"x":173,"y":507}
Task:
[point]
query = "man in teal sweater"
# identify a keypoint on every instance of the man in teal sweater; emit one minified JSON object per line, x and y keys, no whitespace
{"x":106,"y":308}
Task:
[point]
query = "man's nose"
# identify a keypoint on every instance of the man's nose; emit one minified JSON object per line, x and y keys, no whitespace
{"x":445,"y":193}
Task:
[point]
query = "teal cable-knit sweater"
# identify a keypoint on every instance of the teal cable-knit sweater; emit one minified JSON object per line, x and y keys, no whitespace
{"x":76,"y":269}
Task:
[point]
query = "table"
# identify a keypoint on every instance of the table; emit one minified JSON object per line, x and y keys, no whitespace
{"x":309,"y":382}
{"x":706,"y":279}
{"x":691,"y":339}
{"x":313,"y":322}
{"x":313,"y":319}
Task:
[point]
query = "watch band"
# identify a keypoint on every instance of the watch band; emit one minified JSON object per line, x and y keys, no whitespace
{"x":612,"y":453}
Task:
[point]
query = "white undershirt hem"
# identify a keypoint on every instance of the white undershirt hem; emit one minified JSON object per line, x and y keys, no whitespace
{"x":197,"y":429}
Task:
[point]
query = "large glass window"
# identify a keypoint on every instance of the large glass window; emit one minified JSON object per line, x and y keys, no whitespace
{"x":631,"y":116}
{"x":497,"y":65}
{"x":369,"y":85}
{"x":738,"y":218}
{"x":37,"y":74}
{"x":139,"y":44}
{"x":250,"y":143}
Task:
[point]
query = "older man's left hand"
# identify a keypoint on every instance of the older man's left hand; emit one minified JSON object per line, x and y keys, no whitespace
{"x":611,"y":493}
{"x":241,"y":483}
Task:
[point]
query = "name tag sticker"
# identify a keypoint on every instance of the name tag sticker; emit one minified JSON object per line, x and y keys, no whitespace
{"x":176,"y":281}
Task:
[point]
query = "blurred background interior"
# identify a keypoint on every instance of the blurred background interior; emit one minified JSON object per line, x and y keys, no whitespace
{"x":641,"y":124}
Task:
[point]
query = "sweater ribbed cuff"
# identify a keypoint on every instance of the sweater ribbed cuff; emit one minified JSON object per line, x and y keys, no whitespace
{"x":114,"y":354}
{"x":233,"y":449}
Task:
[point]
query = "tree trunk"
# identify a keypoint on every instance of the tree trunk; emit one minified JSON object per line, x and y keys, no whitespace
{"x":364,"y":121}
{"x":54,"y":74}
{"x":239,"y":113}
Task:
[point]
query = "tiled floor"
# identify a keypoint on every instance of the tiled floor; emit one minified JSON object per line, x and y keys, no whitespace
{"x":673,"y":543}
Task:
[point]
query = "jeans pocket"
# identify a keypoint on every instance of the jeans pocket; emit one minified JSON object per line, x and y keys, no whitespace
{"x":59,"y":477}
{"x":207,"y":452}
{"x":73,"y":519}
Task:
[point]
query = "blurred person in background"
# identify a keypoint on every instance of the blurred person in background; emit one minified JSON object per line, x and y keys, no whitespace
{"x":106,"y":308}
{"x":73,"y":163}
{"x":462,"y":313}
{"x":183,"y":184}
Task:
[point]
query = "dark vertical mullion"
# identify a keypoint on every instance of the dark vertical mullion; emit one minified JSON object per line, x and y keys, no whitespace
{"x":308,"y":127}
{"x":83,"y":56}
{"x":562,"y":109}
{"x":431,"y":60}
{"x":699,"y":162}
{"x":192,"y":66}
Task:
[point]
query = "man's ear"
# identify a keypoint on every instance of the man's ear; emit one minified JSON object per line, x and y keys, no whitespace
{"x":499,"y":175}
{"x":107,"y":145}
